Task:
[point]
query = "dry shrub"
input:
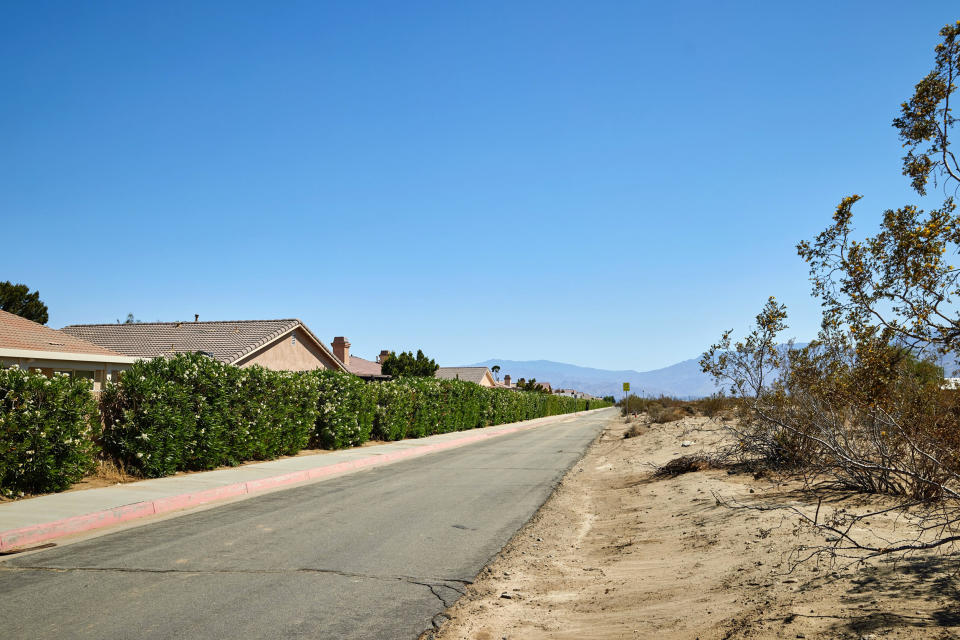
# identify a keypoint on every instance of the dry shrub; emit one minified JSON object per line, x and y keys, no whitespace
{"x":714,"y":405}
{"x":685,"y":464}
{"x":667,"y":414}
{"x":634,"y":431}
{"x":859,"y":412}
{"x":112,"y":471}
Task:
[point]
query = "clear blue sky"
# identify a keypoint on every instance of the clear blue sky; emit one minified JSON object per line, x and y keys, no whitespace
{"x":607,"y":184}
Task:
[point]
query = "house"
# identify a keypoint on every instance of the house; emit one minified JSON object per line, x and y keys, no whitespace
{"x":35,"y":347}
{"x":283,"y":345}
{"x":506,"y":384}
{"x":478,"y":375}
{"x":360,"y":367}
{"x":573,"y":393}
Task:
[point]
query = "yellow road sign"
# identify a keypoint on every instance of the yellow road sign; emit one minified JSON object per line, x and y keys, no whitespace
{"x":626,"y":386}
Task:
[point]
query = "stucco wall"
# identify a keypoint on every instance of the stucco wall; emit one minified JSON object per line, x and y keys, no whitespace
{"x":289,"y":355}
{"x":101,"y":371}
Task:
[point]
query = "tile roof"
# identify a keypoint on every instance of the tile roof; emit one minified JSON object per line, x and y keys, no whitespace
{"x":227,"y":341}
{"x":467,"y":374}
{"x":20,"y":333}
{"x":362,"y":367}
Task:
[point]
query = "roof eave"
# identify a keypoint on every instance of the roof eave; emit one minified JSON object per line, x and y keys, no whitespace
{"x":66,"y":355}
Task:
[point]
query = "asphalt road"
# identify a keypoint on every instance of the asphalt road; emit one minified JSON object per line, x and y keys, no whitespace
{"x":375,"y":554}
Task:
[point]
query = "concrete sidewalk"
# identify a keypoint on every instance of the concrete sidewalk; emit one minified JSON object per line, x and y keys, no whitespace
{"x":37,"y":520}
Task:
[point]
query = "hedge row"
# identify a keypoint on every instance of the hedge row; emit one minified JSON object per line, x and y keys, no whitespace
{"x":47,"y":432}
{"x":191,"y":412}
{"x":418,"y":407}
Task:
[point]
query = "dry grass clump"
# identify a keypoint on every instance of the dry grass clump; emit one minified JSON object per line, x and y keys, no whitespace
{"x":634,"y":431}
{"x":107,"y":470}
{"x":685,"y":464}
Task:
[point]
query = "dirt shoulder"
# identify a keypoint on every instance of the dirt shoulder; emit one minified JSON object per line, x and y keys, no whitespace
{"x":619,"y":553}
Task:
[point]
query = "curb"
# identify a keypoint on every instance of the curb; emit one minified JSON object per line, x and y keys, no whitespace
{"x":44,"y":532}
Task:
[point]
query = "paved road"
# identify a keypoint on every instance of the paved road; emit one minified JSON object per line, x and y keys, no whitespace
{"x":375,"y":554}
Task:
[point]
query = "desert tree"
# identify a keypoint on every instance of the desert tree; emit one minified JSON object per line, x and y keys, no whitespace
{"x":861,"y":407}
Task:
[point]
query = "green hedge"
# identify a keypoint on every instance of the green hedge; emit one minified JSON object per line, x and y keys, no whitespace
{"x":47,"y":431}
{"x":345,"y":410}
{"x":191,"y":412}
{"x":418,"y":407}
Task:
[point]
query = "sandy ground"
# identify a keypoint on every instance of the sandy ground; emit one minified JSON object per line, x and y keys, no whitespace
{"x":619,"y":553}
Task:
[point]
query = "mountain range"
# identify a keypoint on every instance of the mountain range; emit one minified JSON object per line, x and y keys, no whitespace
{"x":682,"y":380}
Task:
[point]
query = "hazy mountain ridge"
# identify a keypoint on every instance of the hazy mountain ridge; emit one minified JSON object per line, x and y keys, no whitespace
{"x":683,"y":379}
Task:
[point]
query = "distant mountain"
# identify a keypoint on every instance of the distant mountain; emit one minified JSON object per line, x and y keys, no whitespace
{"x":683,"y":380}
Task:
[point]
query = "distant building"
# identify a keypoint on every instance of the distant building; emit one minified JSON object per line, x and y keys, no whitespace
{"x":573,"y":393}
{"x":478,"y":375}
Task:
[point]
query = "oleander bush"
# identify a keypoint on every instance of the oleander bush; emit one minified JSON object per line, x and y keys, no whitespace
{"x":191,"y":412}
{"x":346,"y":410}
{"x":47,"y":431}
{"x":394,"y":410}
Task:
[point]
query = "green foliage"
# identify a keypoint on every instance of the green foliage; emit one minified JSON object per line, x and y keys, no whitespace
{"x":47,"y":430}
{"x":394,"y":410}
{"x":532,"y":385}
{"x":926,"y":118}
{"x":345,"y":411}
{"x":192,"y":412}
{"x":406,"y":364}
{"x":17,"y":299}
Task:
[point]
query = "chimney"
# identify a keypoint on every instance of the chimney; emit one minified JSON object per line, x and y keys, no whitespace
{"x":383,"y":356}
{"x":341,"y":349}
{"x":196,"y":317}
{"x":506,"y":379}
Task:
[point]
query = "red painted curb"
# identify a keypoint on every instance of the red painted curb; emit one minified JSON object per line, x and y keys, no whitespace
{"x":30,"y":535}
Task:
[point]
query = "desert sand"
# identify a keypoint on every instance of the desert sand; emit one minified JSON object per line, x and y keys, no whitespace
{"x":618,"y":552}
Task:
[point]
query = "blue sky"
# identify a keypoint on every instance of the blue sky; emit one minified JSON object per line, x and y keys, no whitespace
{"x":607,"y":184}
